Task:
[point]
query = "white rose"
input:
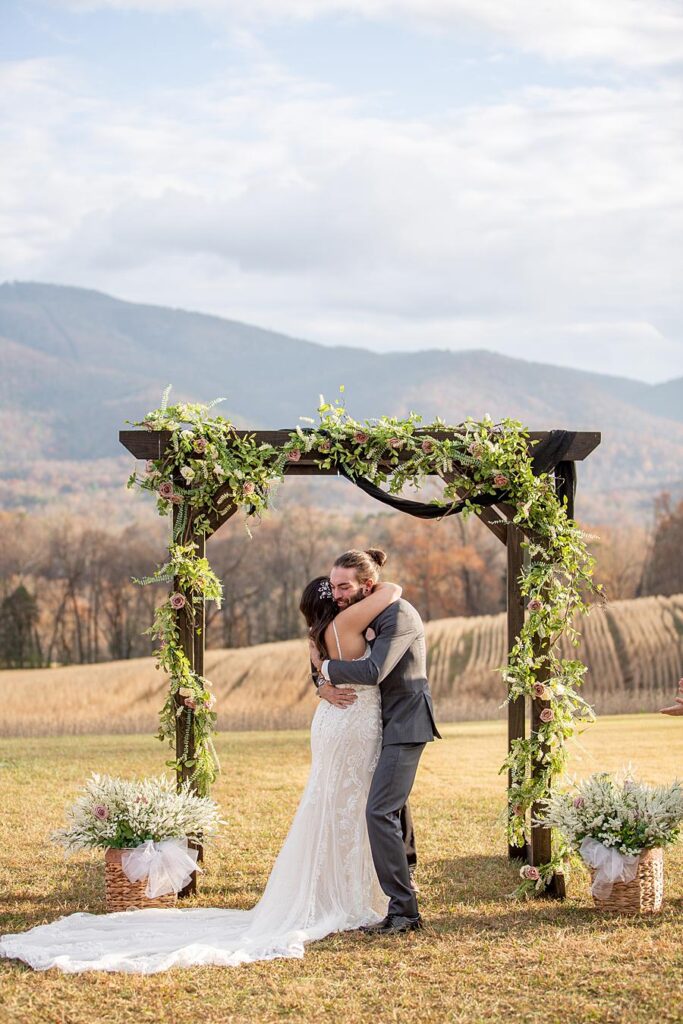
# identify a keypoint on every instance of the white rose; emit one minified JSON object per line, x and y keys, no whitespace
{"x":187,"y":473}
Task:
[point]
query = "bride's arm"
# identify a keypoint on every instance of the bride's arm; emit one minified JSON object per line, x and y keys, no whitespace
{"x":357,"y":617}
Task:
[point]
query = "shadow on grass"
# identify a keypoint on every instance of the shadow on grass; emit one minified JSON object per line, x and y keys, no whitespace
{"x":479,"y":883}
{"x":474,"y":889}
{"x":81,"y":890}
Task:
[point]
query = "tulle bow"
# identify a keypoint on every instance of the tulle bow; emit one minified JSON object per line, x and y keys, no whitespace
{"x":610,"y":866}
{"x":167,"y":865}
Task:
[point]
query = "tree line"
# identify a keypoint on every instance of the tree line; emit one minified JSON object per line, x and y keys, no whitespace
{"x":67,"y":595}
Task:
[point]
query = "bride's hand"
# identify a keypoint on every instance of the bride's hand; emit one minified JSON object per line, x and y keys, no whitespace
{"x":673,"y":709}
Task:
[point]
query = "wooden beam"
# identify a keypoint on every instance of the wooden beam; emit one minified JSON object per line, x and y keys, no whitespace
{"x":515,"y":622}
{"x":492,"y":519}
{"x":151,"y":444}
{"x":216,"y":519}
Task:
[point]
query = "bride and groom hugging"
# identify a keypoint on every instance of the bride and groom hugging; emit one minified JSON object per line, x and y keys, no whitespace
{"x":368,"y":647}
{"x":344,"y":864}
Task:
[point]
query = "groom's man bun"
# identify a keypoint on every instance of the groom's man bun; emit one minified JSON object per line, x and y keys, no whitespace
{"x":377,"y":555}
{"x":366,"y":564}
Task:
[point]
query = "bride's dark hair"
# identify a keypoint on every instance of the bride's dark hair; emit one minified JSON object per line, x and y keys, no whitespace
{"x":318,"y":609}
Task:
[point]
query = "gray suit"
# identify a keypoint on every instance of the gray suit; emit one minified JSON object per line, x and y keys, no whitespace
{"x":398,"y":665}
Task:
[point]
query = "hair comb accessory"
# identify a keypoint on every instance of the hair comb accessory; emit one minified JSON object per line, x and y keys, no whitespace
{"x":325,"y":590}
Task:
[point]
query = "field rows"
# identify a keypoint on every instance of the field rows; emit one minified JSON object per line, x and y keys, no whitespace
{"x":634,"y":650}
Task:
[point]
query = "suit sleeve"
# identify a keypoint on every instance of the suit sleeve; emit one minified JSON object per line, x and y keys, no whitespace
{"x":393,"y":640}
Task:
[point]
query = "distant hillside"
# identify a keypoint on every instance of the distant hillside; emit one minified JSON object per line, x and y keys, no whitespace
{"x":76,"y":364}
{"x":634,"y":650}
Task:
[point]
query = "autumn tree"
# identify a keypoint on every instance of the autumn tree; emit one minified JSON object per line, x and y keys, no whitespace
{"x":663,"y":569}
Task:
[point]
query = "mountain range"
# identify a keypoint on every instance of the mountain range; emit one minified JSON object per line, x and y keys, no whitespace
{"x":76,"y":364}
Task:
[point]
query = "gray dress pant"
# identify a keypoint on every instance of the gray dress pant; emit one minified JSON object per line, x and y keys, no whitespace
{"x":389,"y":791}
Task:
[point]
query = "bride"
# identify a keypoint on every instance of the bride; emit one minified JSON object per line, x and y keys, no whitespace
{"x":323,"y":880}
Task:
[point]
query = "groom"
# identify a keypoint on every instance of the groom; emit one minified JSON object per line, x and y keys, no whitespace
{"x":398,"y":665}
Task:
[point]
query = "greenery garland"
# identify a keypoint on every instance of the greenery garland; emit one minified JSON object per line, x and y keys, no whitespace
{"x":216,"y":465}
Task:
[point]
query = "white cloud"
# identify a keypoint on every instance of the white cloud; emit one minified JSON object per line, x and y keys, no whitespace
{"x":545,"y":225}
{"x":632,"y":33}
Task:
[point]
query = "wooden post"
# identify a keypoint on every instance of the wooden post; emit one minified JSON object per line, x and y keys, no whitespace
{"x":515,"y":621}
{"x":191,"y":628}
{"x":541,"y":837}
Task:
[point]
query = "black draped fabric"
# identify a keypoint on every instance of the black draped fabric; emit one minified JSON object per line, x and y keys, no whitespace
{"x":419,"y":509}
{"x":565,"y":484}
{"x":546,"y":455}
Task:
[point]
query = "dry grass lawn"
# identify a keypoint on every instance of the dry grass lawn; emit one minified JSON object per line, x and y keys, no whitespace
{"x":482,"y":957}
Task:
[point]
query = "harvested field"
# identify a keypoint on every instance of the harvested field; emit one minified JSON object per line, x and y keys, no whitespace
{"x":634,"y":650}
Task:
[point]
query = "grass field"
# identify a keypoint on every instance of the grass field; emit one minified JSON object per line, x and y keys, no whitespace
{"x":482,"y":957}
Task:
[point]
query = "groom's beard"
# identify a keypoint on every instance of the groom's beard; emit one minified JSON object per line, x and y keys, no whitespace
{"x":358,"y":596}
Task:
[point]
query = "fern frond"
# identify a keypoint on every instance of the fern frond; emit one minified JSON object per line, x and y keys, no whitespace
{"x":181,"y":522}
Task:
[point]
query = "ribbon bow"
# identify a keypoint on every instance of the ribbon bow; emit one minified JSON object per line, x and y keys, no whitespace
{"x":167,"y":866}
{"x":610,"y":866}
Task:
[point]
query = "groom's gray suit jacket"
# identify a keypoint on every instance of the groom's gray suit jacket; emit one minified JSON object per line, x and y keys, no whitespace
{"x":398,"y":665}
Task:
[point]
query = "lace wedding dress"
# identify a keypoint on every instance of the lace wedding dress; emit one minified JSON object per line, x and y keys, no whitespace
{"x":323,"y":880}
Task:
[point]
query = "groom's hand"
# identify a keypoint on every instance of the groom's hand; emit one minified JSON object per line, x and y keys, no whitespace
{"x":340,"y":696}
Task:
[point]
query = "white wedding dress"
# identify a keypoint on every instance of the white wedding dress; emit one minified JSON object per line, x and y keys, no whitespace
{"x":323,"y":880}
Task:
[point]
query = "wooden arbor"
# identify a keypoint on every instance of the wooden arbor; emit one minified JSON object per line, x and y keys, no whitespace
{"x":497,"y":518}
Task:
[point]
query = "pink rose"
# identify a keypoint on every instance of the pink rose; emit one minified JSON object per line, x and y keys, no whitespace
{"x":578,"y":802}
{"x":476,"y":449}
{"x":200,"y":445}
{"x":294,"y":455}
{"x":166,"y":489}
{"x":325,"y":446}
{"x":529,"y":873}
{"x":249,"y":487}
{"x":547,"y":715}
{"x":535,"y":605}
{"x":500,"y":480}
{"x":427,"y":446}
{"x":360,"y":437}
{"x":191,"y":703}
{"x":101,"y":812}
{"x":395,"y":442}
{"x":176,"y":499}
{"x":540,"y":691}
{"x":177,"y":601}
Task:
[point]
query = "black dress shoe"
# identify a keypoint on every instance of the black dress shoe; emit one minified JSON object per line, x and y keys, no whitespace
{"x":393,"y":924}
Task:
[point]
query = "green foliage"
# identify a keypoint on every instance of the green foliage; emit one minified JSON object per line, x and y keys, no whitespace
{"x":217,"y":466}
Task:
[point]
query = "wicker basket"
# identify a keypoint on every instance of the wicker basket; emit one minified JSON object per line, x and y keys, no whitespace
{"x":644,"y":894}
{"x":122,"y":894}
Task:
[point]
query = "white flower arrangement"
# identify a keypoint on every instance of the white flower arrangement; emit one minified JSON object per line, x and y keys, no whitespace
{"x":618,"y":812}
{"x":121,"y":813}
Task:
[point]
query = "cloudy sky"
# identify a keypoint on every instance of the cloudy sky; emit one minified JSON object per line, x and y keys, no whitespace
{"x":396,"y":174}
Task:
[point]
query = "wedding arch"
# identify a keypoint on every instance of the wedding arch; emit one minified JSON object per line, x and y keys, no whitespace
{"x":521,"y":484}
